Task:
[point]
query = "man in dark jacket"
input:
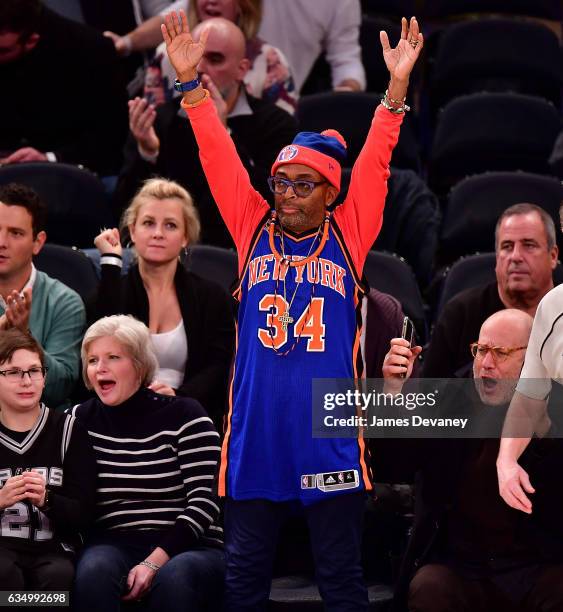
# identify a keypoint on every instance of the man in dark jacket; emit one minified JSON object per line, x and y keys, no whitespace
{"x":526,"y":255}
{"x":468,"y":550}
{"x":63,"y":100}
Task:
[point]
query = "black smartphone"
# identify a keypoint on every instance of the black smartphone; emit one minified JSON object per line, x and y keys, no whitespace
{"x":407,"y":334}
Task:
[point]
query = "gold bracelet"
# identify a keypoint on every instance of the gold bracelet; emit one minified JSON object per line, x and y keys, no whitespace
{"x":186,"y":105}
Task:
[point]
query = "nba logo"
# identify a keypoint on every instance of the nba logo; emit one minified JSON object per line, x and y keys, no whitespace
{"x":288,"y":153}
{"x":340,"y":476}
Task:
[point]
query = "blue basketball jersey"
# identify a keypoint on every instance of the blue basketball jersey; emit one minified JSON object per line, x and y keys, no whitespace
{"x":294,"y":324}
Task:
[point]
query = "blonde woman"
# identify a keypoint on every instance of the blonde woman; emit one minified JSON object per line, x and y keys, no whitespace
{"x":190,"y":318}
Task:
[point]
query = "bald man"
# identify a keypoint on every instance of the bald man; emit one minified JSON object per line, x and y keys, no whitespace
{"x":162,"y":143}
{"x":469,"y":551}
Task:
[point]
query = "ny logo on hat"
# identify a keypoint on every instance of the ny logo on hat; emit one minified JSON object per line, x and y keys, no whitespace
{"x":288,"y":153}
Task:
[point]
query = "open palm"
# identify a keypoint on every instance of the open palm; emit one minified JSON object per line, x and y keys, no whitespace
{"x":183,"y":51}
{"x":401,"y":59}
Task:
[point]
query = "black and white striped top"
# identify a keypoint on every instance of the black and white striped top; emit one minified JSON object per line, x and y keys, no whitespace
{"x":157,"y":459}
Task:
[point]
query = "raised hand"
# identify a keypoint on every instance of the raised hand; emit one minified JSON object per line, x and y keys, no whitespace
{"x":108,"y":242}
{"x":183,"y":51}
{"x":401,"y":60}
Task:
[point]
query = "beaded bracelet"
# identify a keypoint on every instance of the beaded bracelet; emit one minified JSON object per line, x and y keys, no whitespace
{"x":386,"y":103}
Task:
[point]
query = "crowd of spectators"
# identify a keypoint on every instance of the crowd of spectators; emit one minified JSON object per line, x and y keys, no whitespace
{"x":94,"y":87}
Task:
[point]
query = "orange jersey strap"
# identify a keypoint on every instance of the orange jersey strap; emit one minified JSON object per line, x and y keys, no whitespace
{"x":240,"y":205}
{"x":361,"y":214}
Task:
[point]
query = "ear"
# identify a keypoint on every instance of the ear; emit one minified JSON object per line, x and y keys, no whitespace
{"x":31,"y":42}
{"x":243,"y":68}
{"x":38,"y":242}
{"x":554,"y":256}
{"x":330,"y":195}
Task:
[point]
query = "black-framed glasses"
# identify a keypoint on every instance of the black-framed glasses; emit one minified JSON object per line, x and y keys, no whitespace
{"x":498,"y":353}
{"x":16,"y":374}
{"x":302,"y":188}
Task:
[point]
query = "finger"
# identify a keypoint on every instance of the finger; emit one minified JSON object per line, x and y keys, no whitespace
{"x":519,"y":494}
{"x":384,"y":40}
{"x":164,"y":33}
{"x":404,"y":27}
{"x":213,"y":89}
{"x":420,"y":43}
{"x":204,"y":36}
{"x":400,"y":342}
{"x":176,"y":23}
{"x":514,"y":502}
{"x":404,"y":351}
{"x":414,"y":30}
{"x":169,"y":27}
{"x":27,"y":296}
{"x":184,"y":21}
{"x":137,"y":109}
{"x":146,"y":120}
{"x":525,"y":482}
{"x":16,"y":157}
{"x":396,"y":370}
{"x":399,"y":361}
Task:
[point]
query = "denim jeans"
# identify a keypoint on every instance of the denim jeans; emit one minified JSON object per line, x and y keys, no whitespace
{"x":191,"y":581}
{"x":335,"y":527}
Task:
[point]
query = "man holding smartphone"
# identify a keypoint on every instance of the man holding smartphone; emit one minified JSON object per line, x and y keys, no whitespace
{"x":468,"y":550}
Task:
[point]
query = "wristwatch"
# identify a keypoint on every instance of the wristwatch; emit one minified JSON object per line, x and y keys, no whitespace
{"x":187,"y":86}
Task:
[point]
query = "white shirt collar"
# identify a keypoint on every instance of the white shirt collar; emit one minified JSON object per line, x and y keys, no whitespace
{"x":241,"y":107}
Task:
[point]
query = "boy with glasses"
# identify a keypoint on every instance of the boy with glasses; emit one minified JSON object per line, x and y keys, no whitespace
{"x":47,"y":475}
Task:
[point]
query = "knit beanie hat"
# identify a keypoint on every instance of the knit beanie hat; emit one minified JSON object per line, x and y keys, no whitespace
{"x":323,"y":152}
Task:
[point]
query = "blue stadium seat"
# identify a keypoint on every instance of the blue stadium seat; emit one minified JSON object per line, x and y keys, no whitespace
{"x":69,"y":266}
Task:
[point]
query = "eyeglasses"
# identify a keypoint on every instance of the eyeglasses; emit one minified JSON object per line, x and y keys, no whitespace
{"x":499,"y":353}
{"x":18,"y":374}
{"x":301,"y":188}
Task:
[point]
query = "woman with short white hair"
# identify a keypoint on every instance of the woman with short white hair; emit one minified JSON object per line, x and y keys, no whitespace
{"x":155,"y":536}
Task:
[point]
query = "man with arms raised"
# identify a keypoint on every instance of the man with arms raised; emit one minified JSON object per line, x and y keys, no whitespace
{"x":299,"y":294}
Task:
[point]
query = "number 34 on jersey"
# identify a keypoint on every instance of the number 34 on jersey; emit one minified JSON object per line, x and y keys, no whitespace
{"x":309,"y":324}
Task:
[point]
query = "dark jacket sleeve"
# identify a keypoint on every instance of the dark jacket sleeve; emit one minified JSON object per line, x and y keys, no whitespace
{"x":71,"y":508}
{"x":207,"y":373}
{"x":109,"y":300}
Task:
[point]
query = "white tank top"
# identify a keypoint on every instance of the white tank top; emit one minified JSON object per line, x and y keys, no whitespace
{"x":171,"y":350}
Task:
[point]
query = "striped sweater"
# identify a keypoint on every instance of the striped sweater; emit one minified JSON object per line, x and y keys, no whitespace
{"x":157,"y":459}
